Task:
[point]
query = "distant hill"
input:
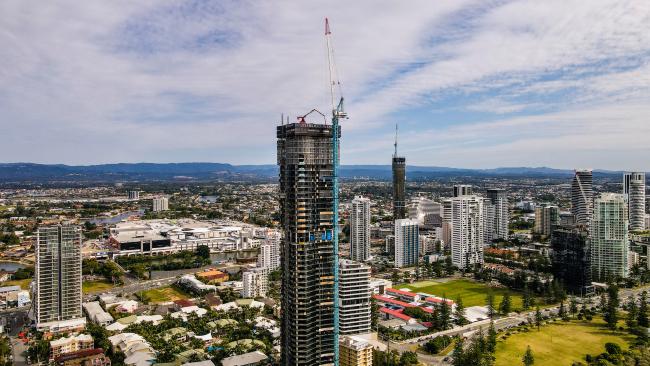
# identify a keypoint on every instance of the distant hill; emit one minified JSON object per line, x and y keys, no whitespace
{"x":30,"y":172}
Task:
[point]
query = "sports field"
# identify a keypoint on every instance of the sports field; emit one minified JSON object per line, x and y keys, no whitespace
{"x":560,"y":343}
{"x":473,"y":293}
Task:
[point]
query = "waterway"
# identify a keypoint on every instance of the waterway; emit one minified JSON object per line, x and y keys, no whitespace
{"x":116,"y":219}
{"x":10,"y":266}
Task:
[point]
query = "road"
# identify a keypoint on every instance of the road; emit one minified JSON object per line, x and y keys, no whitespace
{"x":14,"y":320}
{"x":133,"y":288}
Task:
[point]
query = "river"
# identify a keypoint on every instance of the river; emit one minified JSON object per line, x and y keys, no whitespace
{"x":10,"y":266}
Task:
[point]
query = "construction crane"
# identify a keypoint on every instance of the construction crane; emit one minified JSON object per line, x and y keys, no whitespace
{"x":337,"y":113}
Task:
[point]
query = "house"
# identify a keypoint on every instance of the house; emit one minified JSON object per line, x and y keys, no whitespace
{"x":128,"y":306}
{"x":137,"y":351}
{"x":246,"y":359}
{"x":199,"y":363}
{"x":212,"y":300}
{"x":97,"y":314}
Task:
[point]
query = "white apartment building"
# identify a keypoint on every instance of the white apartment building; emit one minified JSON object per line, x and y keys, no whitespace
{"x":407,"y":243}
{"x":58,"y":275}
{"x":354,"y":295}
{"x":360,"y":229}
{"x":255,"y":283}
{"x":269,"y":256}
{"x":609,"y":237}
{"x":467,"y":230}
{"x":160,"y":204}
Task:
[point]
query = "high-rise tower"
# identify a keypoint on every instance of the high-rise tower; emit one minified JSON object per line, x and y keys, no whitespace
{"x":467,"y":230}
{"x":499,"y":201}
{"x":399,"y":185}
{"x":582,"y":197}
{"x":58,"y":275}
{"x":307,"y":260}
{"x":609,"y":237}
{"x":360,"y":229}
{"x":634,"y":192}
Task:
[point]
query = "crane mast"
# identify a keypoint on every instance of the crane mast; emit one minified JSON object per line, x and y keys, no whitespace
{"x":337,"y":113}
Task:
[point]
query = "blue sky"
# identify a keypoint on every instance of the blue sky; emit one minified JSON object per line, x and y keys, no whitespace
{"x":471,"y":83}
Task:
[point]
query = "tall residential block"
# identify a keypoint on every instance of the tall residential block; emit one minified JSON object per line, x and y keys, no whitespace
{"x":134,"y":195}
{"x":307,"y":262}
{"x":582,"y":197}
{"x":354,"y":295}
{"x":160,"y":204}
{"x":255,"y":283}
{"x":399,"y":184}
{"x":609,"y":237}
{"x":547,"y":217}
{"x":407,"y":243}
{"x":269,"y":256}
{"x":467,"y":230}
{"x":360,"y":229}
{"x":634,"y":192}
{"x":571,"y":258}
{"x":463,"y":190}
{"x":498,"y":200}
{"x":58,"y":275}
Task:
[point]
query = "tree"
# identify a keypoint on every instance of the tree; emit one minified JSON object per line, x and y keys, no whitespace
{"x":491,"y":344}
{"x":203,"y":251}
{"x":444,"y":315}
{"x":632,"y":313}
{"x":459,"y":313}
{"x":489,"y":301}
{"x":458,"y":356}
{"x":528,"y":358}
{"x":506,"y":304}
{"x":538,"y":318}
{"x":611,"y":309}
{"x":561,"y":311}
{"x":395,"y":277}
{"x":527,"y":298}
{"x":573,"y":306}
{"x":642,"y":318}
{"x":408,"y":358}
{"x":449,"y":266}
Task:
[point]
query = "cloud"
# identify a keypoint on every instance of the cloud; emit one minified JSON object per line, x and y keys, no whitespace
{"x":207,"y":81}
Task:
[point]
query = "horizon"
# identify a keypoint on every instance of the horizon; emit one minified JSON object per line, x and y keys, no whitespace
{"x":522,"y":83}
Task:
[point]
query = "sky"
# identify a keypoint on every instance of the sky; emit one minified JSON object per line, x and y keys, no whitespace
{"x":472,"y":84}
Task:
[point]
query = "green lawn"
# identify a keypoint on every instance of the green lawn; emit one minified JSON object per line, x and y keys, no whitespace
{"x":90,"y":287}
{"x":24,"y":284}
{"x":162,"y":294}
{"x":560,"y":343}
{"x":473,"y":293}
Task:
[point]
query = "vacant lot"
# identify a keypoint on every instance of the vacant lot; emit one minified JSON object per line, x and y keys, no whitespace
{"x":560,"y":343}
{"x":24,"y":284}
{"x":162,"y":294}
{"x":473,"y":293}
{"x":91,"y":287}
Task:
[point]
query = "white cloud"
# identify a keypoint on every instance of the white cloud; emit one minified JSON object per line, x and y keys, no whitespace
{"x":207,"y":81}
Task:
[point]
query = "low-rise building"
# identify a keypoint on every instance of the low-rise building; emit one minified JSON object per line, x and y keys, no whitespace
{"x":136,"y":350}
{"x":196,"y":285}
{"x":70,"y":344}
{"x":88,"y":357}
{"x":212,"y":275}
{"x":246,"y":359}
{"x":354,"y":352}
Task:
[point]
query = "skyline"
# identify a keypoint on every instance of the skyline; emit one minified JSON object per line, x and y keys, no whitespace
{"x":472,"y":85}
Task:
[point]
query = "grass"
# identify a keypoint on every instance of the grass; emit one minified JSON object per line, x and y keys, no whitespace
{"x":473,"y":293}
{"x":162,"y":294}
{"x":559,"y":343}
{"x":91,"y":287}
{"x":24,"y":284}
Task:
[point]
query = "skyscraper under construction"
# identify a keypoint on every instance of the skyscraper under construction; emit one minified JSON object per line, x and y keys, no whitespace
{"x":399,"y":187}
{"x":306,"y":209}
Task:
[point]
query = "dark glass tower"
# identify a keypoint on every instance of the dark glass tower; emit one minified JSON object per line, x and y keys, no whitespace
{"x":306,"y":203}
{"x":399,"y":186}
{"x":571,"y":258}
